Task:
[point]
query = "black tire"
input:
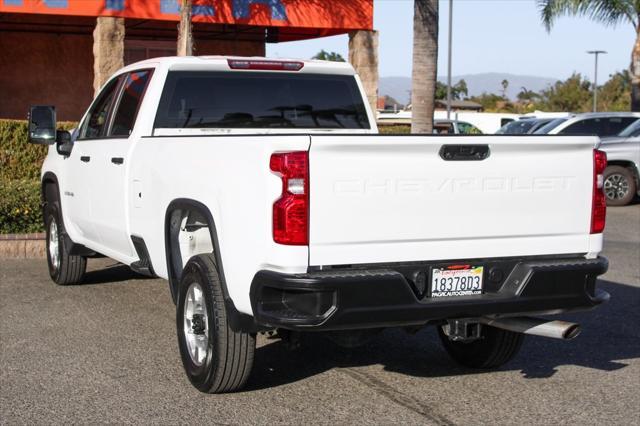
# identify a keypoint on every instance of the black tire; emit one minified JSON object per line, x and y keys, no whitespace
{"x":64,"y":268}
{"x":617,"y":180}
{"x":495,"y":347}
{"x":228,"y":358}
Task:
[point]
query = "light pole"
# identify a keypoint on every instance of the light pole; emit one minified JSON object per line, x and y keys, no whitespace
{"x":595,"y":77}
{"x":449,"y":60}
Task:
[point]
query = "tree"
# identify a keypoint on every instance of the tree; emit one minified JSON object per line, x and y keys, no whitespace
{"x":493,"y":103}
{"x":571,"y":95}
{"x":425,"y":61}
{"x":527,"y":96}
{"x":185,"y":36}
{"x":505,"y":85}
{"x":608,"y":12}
{"x":458,"y":90}
{"x":323,"y":55}
{"x":614,"y":94}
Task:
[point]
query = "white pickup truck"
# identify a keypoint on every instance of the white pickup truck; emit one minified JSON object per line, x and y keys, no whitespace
{"x":262,"y":192}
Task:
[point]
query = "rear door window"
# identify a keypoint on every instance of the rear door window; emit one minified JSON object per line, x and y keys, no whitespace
{"x":96,"y":121}
{"x":208,"y":99}
{"x":133,"y":90}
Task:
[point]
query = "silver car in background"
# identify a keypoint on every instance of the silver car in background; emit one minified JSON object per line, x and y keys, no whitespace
{"x":622,"y":175}
{"x":603,"y":124}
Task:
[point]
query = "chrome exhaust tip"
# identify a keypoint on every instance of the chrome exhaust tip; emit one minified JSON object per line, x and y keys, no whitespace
{"x":535,"y":326}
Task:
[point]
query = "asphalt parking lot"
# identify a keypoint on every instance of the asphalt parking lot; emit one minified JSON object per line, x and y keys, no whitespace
{"x":106,"y":351}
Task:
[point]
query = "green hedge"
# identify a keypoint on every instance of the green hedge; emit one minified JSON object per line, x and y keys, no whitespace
{"x":20,"y":206}
{"x":394,"y":128}
{"x":20,"y":164}
{"x":18,"y":158}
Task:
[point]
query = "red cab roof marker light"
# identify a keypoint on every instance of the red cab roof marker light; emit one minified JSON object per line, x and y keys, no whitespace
{"x":265,"y":65}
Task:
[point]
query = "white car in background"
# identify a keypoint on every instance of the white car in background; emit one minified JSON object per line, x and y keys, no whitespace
{"x":454,"y":127}
{"x":601,"y":124}
{"x":487,"y":122}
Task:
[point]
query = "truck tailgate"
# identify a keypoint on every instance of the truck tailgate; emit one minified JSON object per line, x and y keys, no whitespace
{"x":379,"y":199}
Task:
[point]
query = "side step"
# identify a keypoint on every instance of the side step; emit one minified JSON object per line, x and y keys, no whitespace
{"x":142,"y":266}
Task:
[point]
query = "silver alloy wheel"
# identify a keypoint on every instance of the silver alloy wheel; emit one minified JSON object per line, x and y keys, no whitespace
{"x":54,"y":245}
{"x":196,"y":329}
{"x":616,"y":186}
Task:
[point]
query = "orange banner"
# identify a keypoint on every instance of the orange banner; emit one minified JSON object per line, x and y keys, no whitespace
{"x":329,"y":16}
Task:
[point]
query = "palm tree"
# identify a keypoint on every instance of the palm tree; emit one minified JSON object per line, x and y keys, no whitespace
{"x":505,"y":85}
{"x":425,"y":65}
{"x":609,"y":12}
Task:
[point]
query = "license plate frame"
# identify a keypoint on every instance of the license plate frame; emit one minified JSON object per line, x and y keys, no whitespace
{"x":459,"y":281}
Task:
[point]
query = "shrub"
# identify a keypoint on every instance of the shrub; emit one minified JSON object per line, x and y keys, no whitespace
{"x":18,"y":158}
{"x":394,"y":128}
{"x":20,"y":164}
{"x":20,"y":210}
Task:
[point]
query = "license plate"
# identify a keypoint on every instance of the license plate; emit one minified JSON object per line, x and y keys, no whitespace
{"x":456,"y":280}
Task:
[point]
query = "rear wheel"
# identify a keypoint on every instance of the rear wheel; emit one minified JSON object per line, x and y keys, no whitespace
{"x":215,"y":358}
{"x":619,"y":185}
{"x":494,"y":348}
{"x":64,"y":268}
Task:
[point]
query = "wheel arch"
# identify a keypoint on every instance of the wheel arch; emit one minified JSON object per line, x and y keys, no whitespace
{"x":238,"y":321}
{"x":48,"y":179}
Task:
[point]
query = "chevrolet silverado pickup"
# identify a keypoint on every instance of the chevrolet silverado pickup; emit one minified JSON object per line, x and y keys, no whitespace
{"x":262,"y":192}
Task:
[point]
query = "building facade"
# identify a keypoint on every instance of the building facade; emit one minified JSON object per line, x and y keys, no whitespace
{"x":57,"y":52}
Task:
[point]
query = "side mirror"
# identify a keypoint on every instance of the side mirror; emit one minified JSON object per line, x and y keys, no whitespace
{"x":42,"y":125}
{"x":64,"y":143}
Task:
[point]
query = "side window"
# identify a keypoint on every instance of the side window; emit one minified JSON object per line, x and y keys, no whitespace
{"x":95,"y":122}
{"x":132,"y":93}
{"x":468,"y":128}
{"x":618,"y":124}
{"x":592,"y":126}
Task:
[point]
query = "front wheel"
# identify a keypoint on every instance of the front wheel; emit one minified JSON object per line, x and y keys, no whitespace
{"x":619,"y":185}
{"x":494,"y":348}
{"x":64,"y":268}
{"x":216,"y":358}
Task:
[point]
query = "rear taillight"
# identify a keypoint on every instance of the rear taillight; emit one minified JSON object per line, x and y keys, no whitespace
{"x":291,"y":210}
{"x":599,"y":203}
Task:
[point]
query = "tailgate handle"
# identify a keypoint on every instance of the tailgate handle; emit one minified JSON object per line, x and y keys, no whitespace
{"x":464,"y":152}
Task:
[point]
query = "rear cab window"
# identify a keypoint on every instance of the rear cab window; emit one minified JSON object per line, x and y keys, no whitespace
{"x":243,"y":100}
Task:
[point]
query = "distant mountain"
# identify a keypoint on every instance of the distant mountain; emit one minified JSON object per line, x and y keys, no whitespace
{"x":400,"y":87}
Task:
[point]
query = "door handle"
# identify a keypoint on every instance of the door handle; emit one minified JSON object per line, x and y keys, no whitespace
{"x":117,"y":160}
{"x":85,"y":158}
{"x":464,"y":152}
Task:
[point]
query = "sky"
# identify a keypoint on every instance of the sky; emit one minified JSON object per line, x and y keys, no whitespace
{"x":503,"y":36}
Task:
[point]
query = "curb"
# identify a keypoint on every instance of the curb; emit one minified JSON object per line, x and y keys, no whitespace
{"x":22,"y":246}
